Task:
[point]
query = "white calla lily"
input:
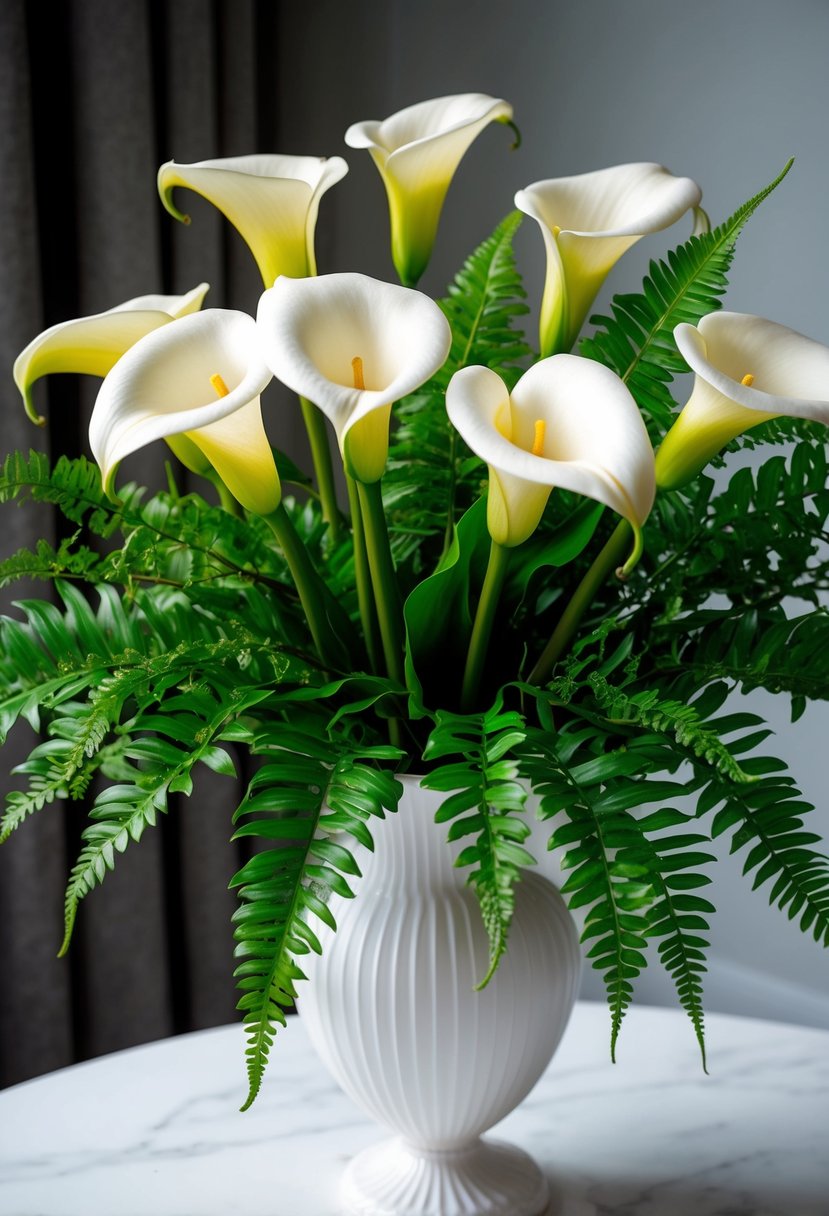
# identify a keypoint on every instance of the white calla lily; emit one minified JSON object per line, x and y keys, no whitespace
{"x":588,"y":222}
{"x":569,"y":422}
{"x":417,"y":151}
{"x":92,"y":345}
{"x":200,"y":379}
{"x":353,"y":346}
{"x":747,"y":370}
{"x":272,"y":201}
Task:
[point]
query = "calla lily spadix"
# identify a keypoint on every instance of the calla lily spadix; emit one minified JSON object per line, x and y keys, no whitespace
{"x":353,"y":345}
{"x":272,"y":201}
{"x":569,"y":422}
{"x":92,"y":345}
{"x":588,"y":222}
{"x":417,"y":152}
{"x":200,"y":378}
{"x":747,"y":370}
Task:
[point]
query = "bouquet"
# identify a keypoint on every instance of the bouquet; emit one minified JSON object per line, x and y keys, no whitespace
{"x":536,"y":588}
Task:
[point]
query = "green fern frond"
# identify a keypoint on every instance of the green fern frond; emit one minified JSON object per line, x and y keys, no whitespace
{"x":163,"y":758}
{"x":485,"y":800}
{"x":636,"y":340}
{"x":309,"y":790}
{"x":595,"y":795}
{"x":768,"y":817}
{"x":46,"y":783}
{"x":69,"y":560}
{"x":170,"y":539}
{"x":677,"y":917}
{"x":699,"y":735}
{"x":432,"y":476}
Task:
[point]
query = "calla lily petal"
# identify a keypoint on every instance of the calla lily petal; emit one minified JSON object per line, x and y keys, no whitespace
{"x":569,"y":422}
{"x":588,"y":222}
{"x":417,"y":152}
{"x":92,"y":345}
{"x":162,"y":387}
{"x":271,"y":200}
{"x":747,"y":370}
{"x":314,"y":329}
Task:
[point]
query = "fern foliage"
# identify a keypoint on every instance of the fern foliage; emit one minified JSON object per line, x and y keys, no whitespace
{"x":767,"y":819}
{"x":433,"y":477}
{"x":311,"y":794}
{"x":165,"y":750}
{"x":614,"y":871}
{"x":171,"y":539}
{"x":485,"y":802}
{"x":636,"y":340}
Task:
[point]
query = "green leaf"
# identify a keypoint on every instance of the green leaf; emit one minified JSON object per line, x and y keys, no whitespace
{"x":437,"y":615}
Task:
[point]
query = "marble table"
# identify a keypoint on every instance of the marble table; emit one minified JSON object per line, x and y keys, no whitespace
{"x":156,"y":1130}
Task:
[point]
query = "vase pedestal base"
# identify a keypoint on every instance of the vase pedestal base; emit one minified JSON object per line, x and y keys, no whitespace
{"x":486,"y":1178}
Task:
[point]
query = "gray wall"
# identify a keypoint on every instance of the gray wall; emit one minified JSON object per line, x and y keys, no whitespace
{"x":724,"y":91}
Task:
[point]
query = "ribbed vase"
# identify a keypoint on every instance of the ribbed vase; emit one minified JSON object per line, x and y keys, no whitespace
{"x":392,"y":1010}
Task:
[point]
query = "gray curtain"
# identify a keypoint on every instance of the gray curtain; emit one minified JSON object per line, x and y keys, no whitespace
{"x":93,"y":97}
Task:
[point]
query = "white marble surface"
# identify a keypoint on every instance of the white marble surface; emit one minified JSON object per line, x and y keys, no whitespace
{"x":157,"y":1129}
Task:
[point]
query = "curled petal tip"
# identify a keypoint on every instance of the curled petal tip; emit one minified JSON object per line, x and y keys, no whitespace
{"x":624,"y":572}
{"x":108,"y":485}
{"x":513,"y":126}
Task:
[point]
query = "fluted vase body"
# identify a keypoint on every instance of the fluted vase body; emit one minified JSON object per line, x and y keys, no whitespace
{"x":392,"y":1010}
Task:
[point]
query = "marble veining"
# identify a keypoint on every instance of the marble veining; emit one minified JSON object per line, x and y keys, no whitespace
{"x":156,"y":1130}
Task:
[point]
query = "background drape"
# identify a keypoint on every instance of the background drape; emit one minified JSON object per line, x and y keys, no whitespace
{"x":95,"y":95}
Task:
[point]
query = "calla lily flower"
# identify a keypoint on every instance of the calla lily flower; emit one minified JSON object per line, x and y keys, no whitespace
{"x":200,"y":379}
{"x":587,"y":223}
{"x":747,"y":370}
{"x":353,"y":345}
{"x":417,"y":152}
{"x":92,"y":345}
{"x":569,"y":422}
{"x":272,"y":202}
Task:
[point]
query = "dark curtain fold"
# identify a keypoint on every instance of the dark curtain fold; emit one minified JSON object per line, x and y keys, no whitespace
{"x":93,"y":97}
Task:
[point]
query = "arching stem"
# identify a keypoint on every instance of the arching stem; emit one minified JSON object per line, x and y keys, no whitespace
{"x":608,"y":560}
{"x":496,"y":571}
{"x":330,"y":627}
{"x":383,"y":579}
{"x":323,"y":465}
{"x":362,"y":576}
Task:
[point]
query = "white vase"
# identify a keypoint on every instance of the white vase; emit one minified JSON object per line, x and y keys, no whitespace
{"x":392,"y":1010}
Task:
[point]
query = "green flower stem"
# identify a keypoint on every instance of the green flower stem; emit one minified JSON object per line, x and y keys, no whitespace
{"x":607,"y":561}
{"x":329,"y":625}
{"x":230,"y":504}
{"x":383,"y":578}
{"x":362,"y":575}
{"x":323,"y":465}
{"x":496,"y":571}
